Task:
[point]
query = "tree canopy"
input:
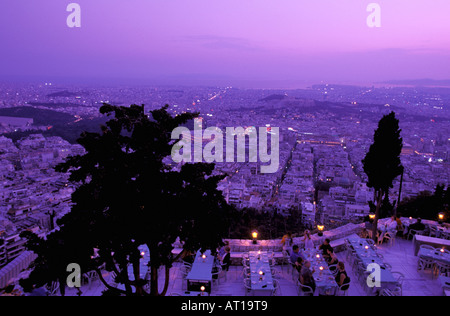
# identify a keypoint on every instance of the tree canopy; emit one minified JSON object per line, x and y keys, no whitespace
{"x":382,"y":163}
{"x":128,"y":197}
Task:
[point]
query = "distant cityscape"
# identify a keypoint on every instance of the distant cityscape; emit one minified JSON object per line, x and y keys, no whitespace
{"x":325,"y":131}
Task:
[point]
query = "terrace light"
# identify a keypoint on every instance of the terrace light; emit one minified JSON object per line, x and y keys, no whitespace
{"x":320,"y":228}
{"x":255,"y":237}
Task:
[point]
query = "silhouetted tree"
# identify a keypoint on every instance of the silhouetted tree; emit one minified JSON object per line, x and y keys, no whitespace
{"x":387,"y":208}
{"x":129,"y":197}
{"x":382,"y":163}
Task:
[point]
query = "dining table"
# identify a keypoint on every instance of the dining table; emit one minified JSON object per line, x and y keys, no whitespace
{"x":260,"y":273}
{"x":432,"y":241}
{"x":436,"y":255}
{"x":201,"y":272}
{"x":367,"y":254}
{"x":323,"y":276}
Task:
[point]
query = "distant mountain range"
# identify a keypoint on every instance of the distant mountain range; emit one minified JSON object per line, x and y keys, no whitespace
{"x":273,"y":97}
{"x":419,"y":82}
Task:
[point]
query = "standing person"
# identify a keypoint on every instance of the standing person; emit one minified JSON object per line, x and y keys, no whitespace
{"x":309,"y":244}
{"x":286,"y":241}
{"x":226,"y":261}
{"x":222,"y":252}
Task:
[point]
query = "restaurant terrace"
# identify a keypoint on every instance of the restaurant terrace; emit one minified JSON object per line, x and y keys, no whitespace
{"x":415,"y":264}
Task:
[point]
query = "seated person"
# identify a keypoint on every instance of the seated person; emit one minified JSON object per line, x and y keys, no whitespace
{"x":416,"y":226}
{"x":306,"y":276}
{"x":295,"y":254}
{"x":342,"y":277}
{"x":400,"y":227}
{"x":391,"y":224}
{"x":299,"y":264}
{"x":333,"y":259}
{"x":325,"y":247}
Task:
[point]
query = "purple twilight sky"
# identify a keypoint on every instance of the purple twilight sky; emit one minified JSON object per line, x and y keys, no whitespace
{"x":268,"y":41}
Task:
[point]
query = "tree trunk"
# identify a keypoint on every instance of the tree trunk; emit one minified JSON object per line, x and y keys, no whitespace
{"x":154,"y":281}
{"x":377,"y":215}
{"x":137,"y":278}
{"x":127,"y":283}
{"x":399,"y":193}
{"x":166,"y":282}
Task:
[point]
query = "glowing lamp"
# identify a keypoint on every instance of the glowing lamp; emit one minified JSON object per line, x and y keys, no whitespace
{"x":442,"y":250}
{"x":202,"y":288}
{"x":255,"y":237}
{"x":320,"y":228}
{"x":372,"y":216}
{"x":441,"y":217}
{"x":142,"y":253}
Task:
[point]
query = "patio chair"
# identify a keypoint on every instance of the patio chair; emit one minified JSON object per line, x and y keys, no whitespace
{"x":389,"y":237}
{"x":246,"y":272}
{"x":247,"y":286}
{"x":425,"y":263}
{"x":275,"y":273}
{"x":343,"y":289}
{"x":52,"y":288}
{"x":434,"y":231}
{"x":215,"y":275}
{"x":333,"y":269}
{"x":387,"y":266}
{"x":284,"y":260}
{"x":441,"y":268}
{"x":413,"y":232}
{"x":276,"y":288}
{"x":304,"y":290}
{"x":400,"y":277}
{"x":427,"y":247}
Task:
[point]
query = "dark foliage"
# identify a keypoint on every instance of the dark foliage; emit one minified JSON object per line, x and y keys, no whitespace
{"x":128,"y":197}
{"x":427,"y":205}
{"x":269,"y":224}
